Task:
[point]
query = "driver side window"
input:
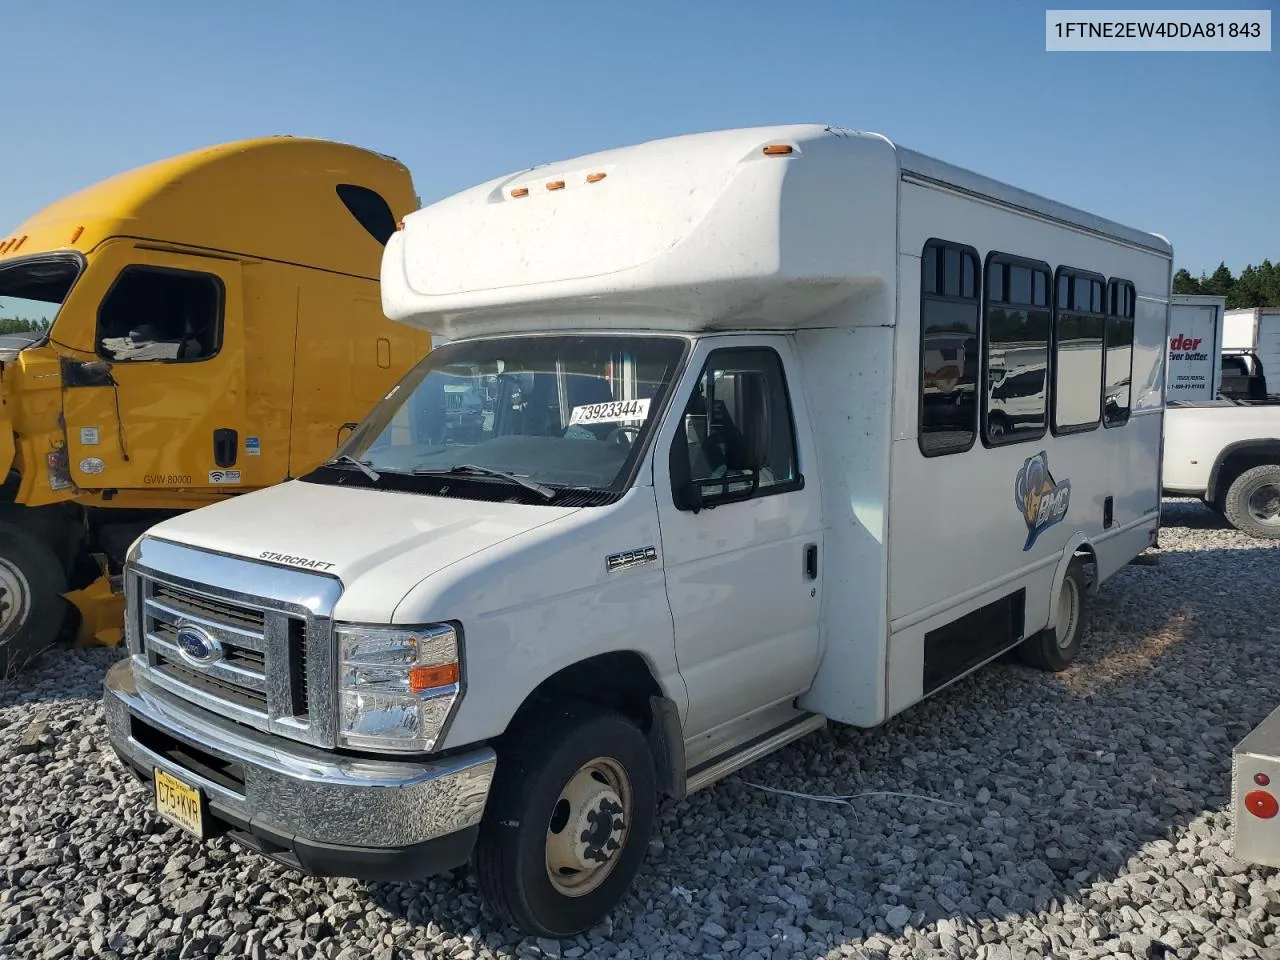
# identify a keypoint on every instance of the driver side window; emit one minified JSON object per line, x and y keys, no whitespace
{"x":152,"y":313}
{"x":736,"y":438}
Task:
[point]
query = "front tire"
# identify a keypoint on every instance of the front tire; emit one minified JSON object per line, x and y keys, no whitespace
{"x":1253,"y":502}
{"x":32,"y":609}
{"x":1055,"y":647}
{"x":568,"y":821}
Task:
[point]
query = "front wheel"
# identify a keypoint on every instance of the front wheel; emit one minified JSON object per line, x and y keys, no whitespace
{"x":568,"y":821}
{"x":1253,"y":502}
{"x":31,"y":606}
{"x":1056,"y":646}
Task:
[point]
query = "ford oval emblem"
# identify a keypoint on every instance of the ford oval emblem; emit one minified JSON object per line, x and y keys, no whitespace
{"x":197,"y":647}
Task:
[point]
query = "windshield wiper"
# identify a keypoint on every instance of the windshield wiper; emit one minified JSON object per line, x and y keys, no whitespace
{"x":362,"y":464}
{"x":537,"y":488}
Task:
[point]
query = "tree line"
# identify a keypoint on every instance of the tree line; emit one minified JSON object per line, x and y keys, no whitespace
{"x":22,"y":325}
{"x":1255,"y":287}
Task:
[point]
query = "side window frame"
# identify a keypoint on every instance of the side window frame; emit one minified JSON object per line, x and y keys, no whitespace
{"x":1071,"y":274}
{"x":1005,"y":261}
{"x":939,"y":295}
{"x":1125,"y":311}
{"x":679,"y":474}
{"x":219,"y":302}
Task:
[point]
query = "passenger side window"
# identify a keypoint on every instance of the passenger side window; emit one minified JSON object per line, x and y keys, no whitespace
{"x":1077,"y":351}
{"x":155,"y":314}
{"x":948,"y":348}
{"x":736,"y":438}
{"x":1016,"y":346}
{"x":1121,"y":306}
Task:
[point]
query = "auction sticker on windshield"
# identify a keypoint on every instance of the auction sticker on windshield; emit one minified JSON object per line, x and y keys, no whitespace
{"x":615,"y":412}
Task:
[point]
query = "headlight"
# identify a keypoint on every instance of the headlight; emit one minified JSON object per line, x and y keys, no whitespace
{"x":396,"y":685}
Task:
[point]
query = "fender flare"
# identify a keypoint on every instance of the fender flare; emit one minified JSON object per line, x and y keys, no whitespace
{"x":1266,"y":446}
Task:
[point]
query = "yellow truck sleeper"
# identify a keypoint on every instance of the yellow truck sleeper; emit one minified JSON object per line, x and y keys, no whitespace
{"x":216,"y":322}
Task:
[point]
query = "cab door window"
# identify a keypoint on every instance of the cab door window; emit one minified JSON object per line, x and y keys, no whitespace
{"x":161,"y":314}
{"x":736,"y":438}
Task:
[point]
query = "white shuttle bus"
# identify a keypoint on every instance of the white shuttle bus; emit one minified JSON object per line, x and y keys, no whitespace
{"x":734,"y":434}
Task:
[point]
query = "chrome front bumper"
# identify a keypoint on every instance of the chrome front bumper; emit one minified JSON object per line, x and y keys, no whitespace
{"x":317,"y":810}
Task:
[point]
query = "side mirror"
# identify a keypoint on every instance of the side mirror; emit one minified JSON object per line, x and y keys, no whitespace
{"x":688,"y":496}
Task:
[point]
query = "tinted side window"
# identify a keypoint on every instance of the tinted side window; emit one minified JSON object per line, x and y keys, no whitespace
{"x":1016,"y":349}
{"x":370,"y":210}
{"x":737,"y":437}
{"x":1077,"y":351}
{"x":155,"y":314}
{"x":948,"y":348}
{"x":1118,"y":390}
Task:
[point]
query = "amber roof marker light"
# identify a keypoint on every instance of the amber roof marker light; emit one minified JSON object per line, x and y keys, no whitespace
{"x":520,"y":192}
{"x":595,"y":177}
{"x":779,"y":150}
{"x":555,"y":184}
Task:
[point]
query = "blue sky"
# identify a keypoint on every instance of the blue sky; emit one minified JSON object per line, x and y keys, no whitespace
{"x":1184,"y":144}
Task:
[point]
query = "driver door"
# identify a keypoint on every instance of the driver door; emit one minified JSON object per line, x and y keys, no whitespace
{"x":162,"y":404}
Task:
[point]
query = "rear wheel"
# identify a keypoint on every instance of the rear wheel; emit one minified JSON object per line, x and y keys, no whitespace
{"x":1055,"y":647}
{"x":1253,"y":502}
{"x":32,"y":609}
{"x":568,"y":821}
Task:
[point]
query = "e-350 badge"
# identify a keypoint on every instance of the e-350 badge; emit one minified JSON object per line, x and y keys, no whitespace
{"x":1042,"y":500}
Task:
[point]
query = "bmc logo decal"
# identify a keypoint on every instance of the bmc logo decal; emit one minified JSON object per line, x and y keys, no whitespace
{"x":1042,"y":500}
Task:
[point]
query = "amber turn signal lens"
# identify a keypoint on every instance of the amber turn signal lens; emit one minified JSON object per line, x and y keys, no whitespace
{"x":424,"y":678}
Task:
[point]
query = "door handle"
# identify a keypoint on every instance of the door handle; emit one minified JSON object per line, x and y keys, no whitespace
{"x":811,"y":561}
{"x":225,"y":442}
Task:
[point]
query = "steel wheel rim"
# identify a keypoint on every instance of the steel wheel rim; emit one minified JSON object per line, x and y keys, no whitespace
{"x":15,"y":599}
{"x":1067,"y":616}
{"x":588,"y":828}
{"x":1264,"y":504}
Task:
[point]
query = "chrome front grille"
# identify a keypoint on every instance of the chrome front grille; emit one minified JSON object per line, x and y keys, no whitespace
{"x":272,"y":647}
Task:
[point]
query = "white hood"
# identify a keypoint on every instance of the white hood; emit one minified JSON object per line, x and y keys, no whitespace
{"x":351,"y":533}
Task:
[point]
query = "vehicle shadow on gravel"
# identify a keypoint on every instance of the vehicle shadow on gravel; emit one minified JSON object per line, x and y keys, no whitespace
{"x":976,"y":811}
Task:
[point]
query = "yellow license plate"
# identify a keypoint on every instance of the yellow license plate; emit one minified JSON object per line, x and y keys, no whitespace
{"x":179,"y":803}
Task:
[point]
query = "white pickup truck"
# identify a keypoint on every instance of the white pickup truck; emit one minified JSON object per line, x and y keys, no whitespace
{"x":1227,"y":453}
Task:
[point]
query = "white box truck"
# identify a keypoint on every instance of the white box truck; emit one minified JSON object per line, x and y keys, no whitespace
{"x":773,"y":434}
{"x":1256,"y":331}
{"x":1195,"y":347}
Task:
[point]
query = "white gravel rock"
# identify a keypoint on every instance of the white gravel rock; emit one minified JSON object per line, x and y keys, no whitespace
{"x":1090,"y":819}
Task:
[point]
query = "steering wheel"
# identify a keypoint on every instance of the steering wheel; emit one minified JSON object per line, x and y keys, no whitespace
{"x":619,"y":436}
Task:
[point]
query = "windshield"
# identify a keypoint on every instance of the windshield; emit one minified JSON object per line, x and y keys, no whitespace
{"x":533,"y":416}
{"x":31,"y":293}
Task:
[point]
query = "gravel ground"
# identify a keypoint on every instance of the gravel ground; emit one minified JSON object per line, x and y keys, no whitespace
{"x":1081,"y":815}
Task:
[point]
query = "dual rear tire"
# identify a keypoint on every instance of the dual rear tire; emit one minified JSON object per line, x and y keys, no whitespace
{"x":1055,"y":647}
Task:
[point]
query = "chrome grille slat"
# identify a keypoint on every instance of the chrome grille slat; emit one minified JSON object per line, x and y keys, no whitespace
{"x":224,"y":631}
{"x":254,"y":680}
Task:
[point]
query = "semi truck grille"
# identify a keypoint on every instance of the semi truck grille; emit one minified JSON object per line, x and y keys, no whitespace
{"x":260,"y":667}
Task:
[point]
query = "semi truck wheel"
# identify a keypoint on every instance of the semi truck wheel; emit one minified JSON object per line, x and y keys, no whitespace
{"x":568,"y":821}
{"x":1253,"y":502}
{"x":32,"y":582}
{"x":1055,"y":647}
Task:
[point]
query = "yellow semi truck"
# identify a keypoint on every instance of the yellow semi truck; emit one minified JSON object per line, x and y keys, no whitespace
{"x":215,"y":323}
